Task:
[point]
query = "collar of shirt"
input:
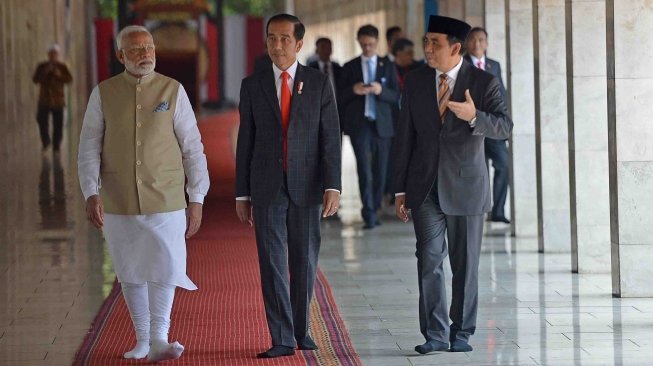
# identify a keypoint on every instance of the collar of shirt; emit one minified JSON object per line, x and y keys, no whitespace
{"x":475,"y":61}
{"x":373,"y":58}
{"x":323,"y":64}
{"x":292,"y":70}
{"x":134,"y":80}
{"x":451,"y":74}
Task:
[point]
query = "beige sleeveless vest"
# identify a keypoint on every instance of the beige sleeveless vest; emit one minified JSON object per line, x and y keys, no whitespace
{"x":141,"y":171}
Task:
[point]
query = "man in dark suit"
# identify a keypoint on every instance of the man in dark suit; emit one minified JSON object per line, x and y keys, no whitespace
{"x":367,"y":95}
{"x":495,"y":150}
{"x":440,"y":174}
{"x":324,"y":49}
{"x":287,"y":176}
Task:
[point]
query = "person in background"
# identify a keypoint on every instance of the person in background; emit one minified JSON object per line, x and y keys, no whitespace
{"x":51,"y":75}
{"x":404,"y":52}
{"x":391,"y":35}
{"x":495,"y":150}
{"x":368,"y":95}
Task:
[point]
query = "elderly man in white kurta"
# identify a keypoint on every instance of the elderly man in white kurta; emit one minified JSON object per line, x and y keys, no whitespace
{"x":139,"y":142}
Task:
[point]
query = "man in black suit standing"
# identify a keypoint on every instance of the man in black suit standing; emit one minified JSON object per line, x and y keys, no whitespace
{"x":448,"y":108}
{"x":287,"y":176}
{"x":324,"y":49}
{"x":495,"y":150}
{"x":367,"y":95}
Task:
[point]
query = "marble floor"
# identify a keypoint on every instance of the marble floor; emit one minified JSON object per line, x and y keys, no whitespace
{"x":55,"y":274}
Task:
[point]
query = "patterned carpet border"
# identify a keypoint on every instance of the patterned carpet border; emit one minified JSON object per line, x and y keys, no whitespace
{"x":81,"y":358}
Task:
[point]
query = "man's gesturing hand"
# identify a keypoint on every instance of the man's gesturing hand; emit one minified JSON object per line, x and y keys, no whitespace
{"x":465,"y":110}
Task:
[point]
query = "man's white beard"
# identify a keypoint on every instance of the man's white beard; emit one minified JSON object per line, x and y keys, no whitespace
{"x":141,"y":70}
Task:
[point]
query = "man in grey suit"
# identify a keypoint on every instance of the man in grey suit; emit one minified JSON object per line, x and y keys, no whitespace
{"x":287,"y":176}
{"x":440,"y":174}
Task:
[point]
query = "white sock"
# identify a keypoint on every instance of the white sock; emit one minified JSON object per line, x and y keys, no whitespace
{"x":136,"y":297}
{"x":141,"y":350}
{"x":162,"y":350}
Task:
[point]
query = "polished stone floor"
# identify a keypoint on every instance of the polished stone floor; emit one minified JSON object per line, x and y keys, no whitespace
{"x":55,"y":273}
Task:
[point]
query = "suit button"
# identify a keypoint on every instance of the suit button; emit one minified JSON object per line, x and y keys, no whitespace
{"x":138,"y":106}
{"x":138,"y":143}
{"x":281,"y":160}
{"x":139,"y":181}
{"x":138,"y":162}
{"x":139,"y":124}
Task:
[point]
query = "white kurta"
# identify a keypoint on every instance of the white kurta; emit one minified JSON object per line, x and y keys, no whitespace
{"x":146,"y":247}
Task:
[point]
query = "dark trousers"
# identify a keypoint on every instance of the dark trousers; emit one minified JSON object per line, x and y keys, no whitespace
{"x":42,"y":116}
{"x":371,"y":152}
{"x":463,"y":234}
{"x":497,"y":151}
{"x":288,"y":242}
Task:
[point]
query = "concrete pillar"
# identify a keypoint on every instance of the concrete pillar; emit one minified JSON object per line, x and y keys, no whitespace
{"x":588,"y":136}
{"x":551,"y":126}
{"x":474,"y":10}
{"x":521,"y":91}
{"x":495,"y":25}
{"x":630,"y":143}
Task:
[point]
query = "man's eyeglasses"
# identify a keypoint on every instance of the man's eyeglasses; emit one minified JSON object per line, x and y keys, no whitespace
{"x":137,"y":50}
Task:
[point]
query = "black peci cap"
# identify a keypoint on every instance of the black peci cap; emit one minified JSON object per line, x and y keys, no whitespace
{"x":448,"y":26}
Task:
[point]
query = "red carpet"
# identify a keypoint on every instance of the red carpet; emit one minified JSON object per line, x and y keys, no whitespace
{"x":224,"y":322}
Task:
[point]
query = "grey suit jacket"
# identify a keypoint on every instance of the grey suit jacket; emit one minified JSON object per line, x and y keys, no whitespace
{"x":494,"y":68}
{"x":452,"y":154}
{"x":313,"y":161}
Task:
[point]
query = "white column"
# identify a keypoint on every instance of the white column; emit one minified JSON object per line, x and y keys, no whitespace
{"x":630,"y":97}
{"x":521,"y":91}
{"x":551,"y":126}
{"x":495,"y":25}
{"x":474,"y":10}
{"x":588,"y":136}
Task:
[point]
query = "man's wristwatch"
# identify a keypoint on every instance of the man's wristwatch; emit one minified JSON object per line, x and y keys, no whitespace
{"x":472,"y":122}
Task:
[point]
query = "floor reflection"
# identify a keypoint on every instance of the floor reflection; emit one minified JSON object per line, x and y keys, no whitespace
{"x":52,"y":193}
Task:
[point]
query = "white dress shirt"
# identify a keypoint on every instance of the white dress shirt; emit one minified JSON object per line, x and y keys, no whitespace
{"x":476,"y":60}
{"x":186,"y":131}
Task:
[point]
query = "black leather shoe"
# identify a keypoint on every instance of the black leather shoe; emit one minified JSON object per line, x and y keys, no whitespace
{"x":277,"y":351}
{"x":378,"y":222}
{"x":431,"y":346}
{"x":460,"y":346}
{"x":500,"y":219}
{"x":306,"y":344}
{"x":369,"y":226}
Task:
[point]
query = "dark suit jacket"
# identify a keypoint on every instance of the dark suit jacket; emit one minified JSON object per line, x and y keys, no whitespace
{"x":353,"y":106}
{"x":337,"y":69}
{"x":425,"y":148}
{"x":313,"y":161}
